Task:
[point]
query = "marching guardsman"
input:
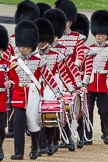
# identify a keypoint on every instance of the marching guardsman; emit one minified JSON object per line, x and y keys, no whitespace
{"x":43,"y":7}
{"x":74,"y":42}
{"x":4,"y":66}
{"x":98,"y":87}
{"x":26,"y":10}
{"x":50,"y":58}
{"x":82,"y":26}
{"x":58,"y":20}
{"x":27,"y":88}
{"x":70,"y":39}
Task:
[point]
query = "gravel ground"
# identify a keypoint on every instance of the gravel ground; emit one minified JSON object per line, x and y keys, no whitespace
{"x":98,"y":152}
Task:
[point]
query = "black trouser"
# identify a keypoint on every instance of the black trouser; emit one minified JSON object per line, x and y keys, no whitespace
{"x":56,"y":136}
{"x":47,"y":136}
{"x":43,"y":139}
{"x":102,"y":104}
{"x":19,"y":129}
{"x":2,"y":136}
{"x":3,"y":124}
{"x":80,"y":128}
{"x":50,"y":135}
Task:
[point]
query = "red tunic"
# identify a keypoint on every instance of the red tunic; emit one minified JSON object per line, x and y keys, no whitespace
{"x":18,"y":76}
{"x":100,"y":68}
{"x":62,"y":67}
{"x":74,"y":54}
{"x":3,"y":97}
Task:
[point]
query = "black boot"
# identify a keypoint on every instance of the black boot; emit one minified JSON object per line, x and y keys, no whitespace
{"x":28,"y":132}
{"x":17,"y":157}
{"x":56,"y":146}
{"x":71,"y":145}
{"x":62,"y":144}
{"x":1,"y":155}
{"x":2,"y":135}
{"x":105,"y":137}
{"x":50,"y":149}
{"x":35,"y":151}
{"x":80,"y":143}
{"x":50,"y":139}
{"x":104,"y":125}
{"x":9,"y":135}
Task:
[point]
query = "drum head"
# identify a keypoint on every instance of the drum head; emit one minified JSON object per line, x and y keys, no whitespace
{"x":77,"y":107}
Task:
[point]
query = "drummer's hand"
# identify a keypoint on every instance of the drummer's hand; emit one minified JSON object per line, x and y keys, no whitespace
{"x":84,"y":89}
{"x":7,"y":84}
{"x":74,"y":91}
{"x":60,"y":97}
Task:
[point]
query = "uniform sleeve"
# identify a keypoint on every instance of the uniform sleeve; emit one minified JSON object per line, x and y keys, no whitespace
{"x":8,"y":53}
{"x":13,"y":77}
{"x":48,"y":77}
{"x":88,"y":69}
{"x":64,"y":75}
{"x":74,"y":70}
{"x":79,"y":52}
{"x":106,"y":65}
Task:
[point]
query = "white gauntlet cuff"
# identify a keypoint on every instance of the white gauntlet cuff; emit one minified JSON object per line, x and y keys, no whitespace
{"x":86,"y":79}
{"x":78,"y":81}
{"x":70,"y":87}
{"x":77,"y":63}
{"x":57,"y":93}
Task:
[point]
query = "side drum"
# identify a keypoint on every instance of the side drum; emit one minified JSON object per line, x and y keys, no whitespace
{"x":51,"y":112}
{"x":68,"y":100}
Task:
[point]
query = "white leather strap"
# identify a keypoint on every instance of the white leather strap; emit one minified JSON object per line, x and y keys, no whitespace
{"x":28,"y":71}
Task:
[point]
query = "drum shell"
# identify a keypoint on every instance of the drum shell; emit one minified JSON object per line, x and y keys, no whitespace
{"x":49,"y":110}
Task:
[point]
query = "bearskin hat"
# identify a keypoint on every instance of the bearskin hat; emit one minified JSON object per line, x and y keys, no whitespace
{"x":4,"y":39}
{"x":99,"y":22}
{"x":81,"y":25}
{"x":26,"y":34}
{"x":69,"y":9}
{"x":46,"y":32}
{"x":43,"y":7}
{"x":27,"y":10}
{"x":58,"y":20}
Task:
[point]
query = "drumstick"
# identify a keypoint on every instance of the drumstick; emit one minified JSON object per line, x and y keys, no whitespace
{"x":11,"y":114}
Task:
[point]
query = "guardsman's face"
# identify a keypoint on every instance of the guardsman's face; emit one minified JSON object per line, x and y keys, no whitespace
{"x":100,"y":38}
{"x":42,"y":45}
{"x":1,"y":51}
{"x":68,"y":25}
{"x":25,"y":50}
